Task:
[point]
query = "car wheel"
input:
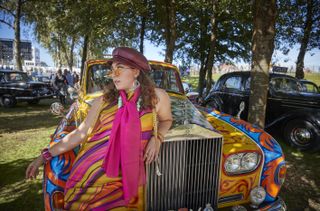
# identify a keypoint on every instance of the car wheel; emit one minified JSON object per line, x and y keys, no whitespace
{"x":8,"y":101}
{"x":33,"y":102}
{"x":302,"y":135}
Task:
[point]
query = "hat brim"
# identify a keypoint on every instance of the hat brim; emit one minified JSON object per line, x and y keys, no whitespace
{"x":124,"y":61}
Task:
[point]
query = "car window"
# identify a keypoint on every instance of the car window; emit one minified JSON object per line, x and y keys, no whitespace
{"x":2,"y":79}
{"x":309,"y":87}
{"x":165,"y":78}
{"x":17,"y":77}
{"x":285,"y":84}
{"x":97,"y":77}
{"x":233,"y":83}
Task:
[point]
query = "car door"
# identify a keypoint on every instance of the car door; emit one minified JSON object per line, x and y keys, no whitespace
{"x":231,"y":94}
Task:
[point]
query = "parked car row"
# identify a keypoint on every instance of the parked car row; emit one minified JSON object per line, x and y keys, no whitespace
{"x":15,"y":86}
{"x":292,"y":106}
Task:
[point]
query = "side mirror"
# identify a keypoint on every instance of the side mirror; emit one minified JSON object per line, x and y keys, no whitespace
{"x":57,"y":109}
{"x":73,"y":93}
{"x":241,"y":108}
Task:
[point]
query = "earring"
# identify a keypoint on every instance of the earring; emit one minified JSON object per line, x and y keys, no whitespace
{"x":119,"y":102}
{"x":135,"y":85}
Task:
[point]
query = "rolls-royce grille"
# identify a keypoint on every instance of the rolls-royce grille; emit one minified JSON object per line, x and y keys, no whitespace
{"x":190,"y":175}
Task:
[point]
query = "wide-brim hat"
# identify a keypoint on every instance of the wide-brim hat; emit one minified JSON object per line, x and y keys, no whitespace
{"x":130,"y":57}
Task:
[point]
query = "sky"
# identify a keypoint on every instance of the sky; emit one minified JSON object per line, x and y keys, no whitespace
{"x":312,"y":58}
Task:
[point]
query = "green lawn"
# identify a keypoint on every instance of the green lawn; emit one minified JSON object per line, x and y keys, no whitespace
{"x":25,"y":130}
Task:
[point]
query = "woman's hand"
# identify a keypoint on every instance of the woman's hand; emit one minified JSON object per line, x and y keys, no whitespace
{"x":33,"y":168}
{"x":152,"y":150}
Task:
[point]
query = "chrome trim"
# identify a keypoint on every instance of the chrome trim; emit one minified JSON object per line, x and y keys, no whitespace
{"x":226,"y":199}
{"x":190,"y":174}
{"x":34,"y":97}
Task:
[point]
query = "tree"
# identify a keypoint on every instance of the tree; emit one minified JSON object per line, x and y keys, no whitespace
{"x":227,"y":26}
{"x":264,"y":16}
{"x":298,"y":22}
{"x":13,"y":11}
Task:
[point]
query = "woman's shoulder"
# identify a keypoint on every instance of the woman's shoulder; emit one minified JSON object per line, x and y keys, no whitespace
{"x":161,"y":94}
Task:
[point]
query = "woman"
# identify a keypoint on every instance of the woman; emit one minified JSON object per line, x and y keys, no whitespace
{"x":60,"y":85}
{"x":109,"y":170}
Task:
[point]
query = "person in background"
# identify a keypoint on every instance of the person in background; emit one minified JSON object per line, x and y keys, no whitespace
{"x":60,"y":86}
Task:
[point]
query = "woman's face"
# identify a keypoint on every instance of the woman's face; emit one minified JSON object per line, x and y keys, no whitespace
{"x":123,"y":76}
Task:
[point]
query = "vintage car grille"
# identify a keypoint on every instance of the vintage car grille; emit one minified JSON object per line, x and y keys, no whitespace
{"x":190,"y":175}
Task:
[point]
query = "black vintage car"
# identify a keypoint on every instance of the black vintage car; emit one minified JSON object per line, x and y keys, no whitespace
{"x":294,"y":112}
{"x":15,"y":86}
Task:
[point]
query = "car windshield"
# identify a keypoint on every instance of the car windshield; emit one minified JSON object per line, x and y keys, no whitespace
{"x":17,"y":77}
{"x":164,"y":77}
{"x":283,"y":84}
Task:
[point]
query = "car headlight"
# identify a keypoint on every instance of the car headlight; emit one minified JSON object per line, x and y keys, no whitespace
{"x":240,"y":163}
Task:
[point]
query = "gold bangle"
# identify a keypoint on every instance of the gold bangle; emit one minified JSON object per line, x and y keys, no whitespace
{"x":160,"y":137}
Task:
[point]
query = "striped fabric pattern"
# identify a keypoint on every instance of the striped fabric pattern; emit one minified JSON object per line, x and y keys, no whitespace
{"x":88,"y":188}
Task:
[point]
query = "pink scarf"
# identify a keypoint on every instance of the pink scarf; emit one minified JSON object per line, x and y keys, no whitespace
{"x":124,"y":149}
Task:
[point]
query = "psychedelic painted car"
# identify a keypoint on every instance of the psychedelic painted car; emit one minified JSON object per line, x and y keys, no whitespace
{"x":208,"y":158}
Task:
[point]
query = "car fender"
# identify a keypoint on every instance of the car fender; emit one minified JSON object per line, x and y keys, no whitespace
{"x":312,"y":115}
{"x":273,"y":165}
{"x":215,"y":98}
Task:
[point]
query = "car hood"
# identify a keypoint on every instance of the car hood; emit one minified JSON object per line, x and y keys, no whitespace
{"x":188,"y":122}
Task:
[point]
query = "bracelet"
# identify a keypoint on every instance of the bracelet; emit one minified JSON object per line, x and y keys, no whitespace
{"x":46,"y":155}
{"x":160,"y":137}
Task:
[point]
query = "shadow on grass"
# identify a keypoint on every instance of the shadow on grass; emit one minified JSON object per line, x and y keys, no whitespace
{"x":31,"y":199}
{"x":20,"y":123}
{"x":13,"y":172}
{"x":25,"y":117}
{"x":16,"y":193}
{"x":301,"y":190}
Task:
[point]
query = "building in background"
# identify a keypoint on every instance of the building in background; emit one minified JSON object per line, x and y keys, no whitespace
{"x":35,"y":61}
{"x":7,"y":51}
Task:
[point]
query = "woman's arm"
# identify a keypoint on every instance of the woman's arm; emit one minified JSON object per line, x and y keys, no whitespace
{"x":70,"y":141}
{"x":163,"y":109}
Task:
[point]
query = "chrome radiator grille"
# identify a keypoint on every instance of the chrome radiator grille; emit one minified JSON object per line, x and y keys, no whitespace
{"x":190,"y":175}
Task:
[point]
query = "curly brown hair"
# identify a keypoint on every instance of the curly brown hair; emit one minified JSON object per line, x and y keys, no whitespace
{"x":148,"y":95}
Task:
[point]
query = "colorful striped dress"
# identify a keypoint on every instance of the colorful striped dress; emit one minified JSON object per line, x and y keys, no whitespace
{"x":88,"y":187}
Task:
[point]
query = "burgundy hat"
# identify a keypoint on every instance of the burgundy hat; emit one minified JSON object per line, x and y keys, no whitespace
{"x":130,"y":57}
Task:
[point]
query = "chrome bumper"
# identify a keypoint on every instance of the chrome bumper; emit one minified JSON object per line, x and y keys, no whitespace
{"x":277,"y":205}
{"x":35,"y":97}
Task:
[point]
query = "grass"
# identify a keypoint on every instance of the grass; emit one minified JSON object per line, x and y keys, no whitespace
{"x":25,"y":130}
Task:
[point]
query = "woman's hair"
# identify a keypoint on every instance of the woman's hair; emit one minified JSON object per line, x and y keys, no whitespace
{"x":148,"y":94}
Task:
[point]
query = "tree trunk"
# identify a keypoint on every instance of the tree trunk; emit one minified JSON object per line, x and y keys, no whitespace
{"x":69,"y":55}
{"x":304,"y":41}
{"x":213,"y":39}
{"x":203,"y":57}
{"x":171,"y":27}
{"x":142,"y":32}
{"x":17,"y":50}
{"x":264,"y":15}
{"x":84,"y":53}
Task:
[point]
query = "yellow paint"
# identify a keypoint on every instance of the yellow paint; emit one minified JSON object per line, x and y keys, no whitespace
{"x":235,"y":141}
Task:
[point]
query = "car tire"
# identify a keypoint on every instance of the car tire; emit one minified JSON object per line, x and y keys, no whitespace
{"x":8,"y":101}
{"x":33,"y":102}
{"x":302,"y":134}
